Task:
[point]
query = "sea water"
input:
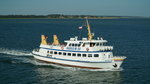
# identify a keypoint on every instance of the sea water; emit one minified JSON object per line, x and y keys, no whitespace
{"x":18,"y":37}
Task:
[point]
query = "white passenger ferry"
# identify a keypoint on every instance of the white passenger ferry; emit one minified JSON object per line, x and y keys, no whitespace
{"x":88,"y":53}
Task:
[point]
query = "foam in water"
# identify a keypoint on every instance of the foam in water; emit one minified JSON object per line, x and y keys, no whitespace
{"x":20,"y":57}
{"x":80,"y":69}
{"x":15,"y":52}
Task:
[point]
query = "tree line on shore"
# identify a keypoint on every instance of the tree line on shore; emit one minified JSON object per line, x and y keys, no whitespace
{"x":60,"y":16}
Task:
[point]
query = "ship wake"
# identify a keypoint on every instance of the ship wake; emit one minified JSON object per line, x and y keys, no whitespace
{"x":81,"y":69}
{"x":15,"y":52}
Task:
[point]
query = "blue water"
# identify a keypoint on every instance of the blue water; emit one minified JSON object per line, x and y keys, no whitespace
{"x":130,"y":37}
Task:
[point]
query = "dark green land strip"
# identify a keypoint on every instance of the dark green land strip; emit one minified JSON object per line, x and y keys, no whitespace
{"x":59,"y":16}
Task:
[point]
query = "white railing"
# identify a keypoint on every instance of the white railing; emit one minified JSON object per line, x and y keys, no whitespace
{"x":104,"y":48}
{"x":117,"y":57}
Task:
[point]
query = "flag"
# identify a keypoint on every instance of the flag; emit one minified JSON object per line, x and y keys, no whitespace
{"x":80,"y":27}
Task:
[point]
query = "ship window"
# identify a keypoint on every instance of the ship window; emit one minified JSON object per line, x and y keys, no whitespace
{"x":51,"y":52}
{"x":70,"y":44}
{"x":109,"y":56}
{"x":100,"y":44}
{"x":69,"y":54}
{"x":49,"y":55}
{"x":83,"y":45}
{"x":79,"y":45}
{"x":87,"y":44}
{"x":76,"y":44}
{"x":96,"y":55}
{"x":64,"y":53}
{"x":60,"y":53}
{"x":47,"y":51}
{"x":89,"y":55}
{"x":97,"y":44}
{"x":74,"y":54}
{"x":83,"y":55}
{"x":92,"y":44}
{"x":55,"y":52}
{"x":79,"y":55}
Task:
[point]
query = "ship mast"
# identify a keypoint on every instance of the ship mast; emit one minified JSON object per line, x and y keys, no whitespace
{"x":90,"y":36}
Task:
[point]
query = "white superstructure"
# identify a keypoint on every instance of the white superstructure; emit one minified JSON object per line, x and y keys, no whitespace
{"x":86,"y":53}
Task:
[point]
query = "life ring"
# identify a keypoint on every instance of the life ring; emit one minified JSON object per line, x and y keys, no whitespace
{"x":87,"y":49}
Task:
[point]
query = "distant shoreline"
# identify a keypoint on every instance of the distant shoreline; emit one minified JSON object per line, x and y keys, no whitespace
{"x":58,"y":16}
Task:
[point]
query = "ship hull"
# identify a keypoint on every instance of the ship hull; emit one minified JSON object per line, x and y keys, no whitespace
{"x":85,"y":65}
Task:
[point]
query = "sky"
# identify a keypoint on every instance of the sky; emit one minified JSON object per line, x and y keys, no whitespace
{"x":76,"y":7}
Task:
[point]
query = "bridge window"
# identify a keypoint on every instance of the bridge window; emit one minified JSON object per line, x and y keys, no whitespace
{"x":76,"y":44}
{"x":92,"y":44}
{"x":83,"y":45}
{"x":101,"y":44}
{"x":97,"y":44}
